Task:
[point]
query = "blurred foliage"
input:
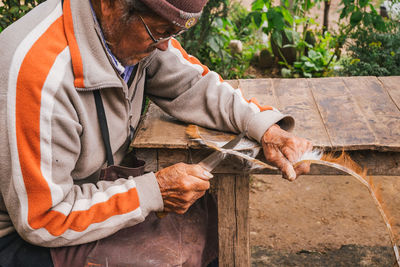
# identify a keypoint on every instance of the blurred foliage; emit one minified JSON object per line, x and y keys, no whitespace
{"x":12,"y":10}
{"x":290,"y":27}
{"x":221,"y":22}
{"x":374,"y":53}
{"x":301,"y":48}
{"x":285,"y":29}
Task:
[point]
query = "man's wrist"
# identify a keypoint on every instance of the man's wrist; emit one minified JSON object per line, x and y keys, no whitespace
{"x":270,"y":132}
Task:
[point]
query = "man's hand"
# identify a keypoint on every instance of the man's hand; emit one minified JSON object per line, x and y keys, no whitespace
{"x":181,"y":185}
{"x":282,"y":149}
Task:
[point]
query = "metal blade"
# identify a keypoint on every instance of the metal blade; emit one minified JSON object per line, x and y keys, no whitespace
{"x":212,"y":161}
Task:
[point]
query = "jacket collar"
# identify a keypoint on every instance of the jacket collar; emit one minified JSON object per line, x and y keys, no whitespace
{"x":91,"y":63}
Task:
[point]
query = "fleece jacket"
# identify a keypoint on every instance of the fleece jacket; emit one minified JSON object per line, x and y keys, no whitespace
{"x":50,"y":141}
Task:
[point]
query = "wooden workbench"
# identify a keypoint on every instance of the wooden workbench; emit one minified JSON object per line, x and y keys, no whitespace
{"x":360,"y":115}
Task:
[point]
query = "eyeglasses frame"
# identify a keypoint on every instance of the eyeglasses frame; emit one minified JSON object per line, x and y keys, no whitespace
{"x":162,"y":39}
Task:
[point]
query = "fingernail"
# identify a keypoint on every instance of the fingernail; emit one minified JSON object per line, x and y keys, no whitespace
{"x":208,"y":174}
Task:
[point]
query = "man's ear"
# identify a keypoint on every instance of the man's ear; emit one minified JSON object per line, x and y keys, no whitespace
{"x":103,"y":8}
{"x":106,"y":7}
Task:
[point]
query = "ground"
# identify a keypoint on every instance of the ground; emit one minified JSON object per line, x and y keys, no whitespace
{"x":321,"y":221}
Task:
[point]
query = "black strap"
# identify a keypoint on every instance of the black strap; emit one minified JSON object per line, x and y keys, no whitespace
{"x":101,"y":115}
{"x":133,"y":74}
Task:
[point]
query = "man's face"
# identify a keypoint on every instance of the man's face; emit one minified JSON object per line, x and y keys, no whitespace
{"x":127,"y":38}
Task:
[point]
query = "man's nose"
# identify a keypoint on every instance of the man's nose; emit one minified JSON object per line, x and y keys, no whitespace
{"x":162,"y":46}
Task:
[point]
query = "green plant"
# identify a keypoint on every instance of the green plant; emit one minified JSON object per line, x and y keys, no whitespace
{"x":295,"y":41}
{"x":12,"y":10}
{"x":226,"y":64}
{"x":316,"y":62}
{"x":221,"y":22}
{"x":374,"y":53}
{"x":282,"y":19}
{"x":360,"y":13}
{"x":355,"y":16}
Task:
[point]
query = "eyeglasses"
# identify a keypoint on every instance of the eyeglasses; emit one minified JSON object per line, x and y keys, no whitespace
{"x":162,"y":39}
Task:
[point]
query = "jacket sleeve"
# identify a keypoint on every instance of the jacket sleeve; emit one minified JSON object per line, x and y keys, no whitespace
{"x":49,"y":141}
{"x":45,"y":205}
{"x":45,"y":130}
{"x":189,"y":91}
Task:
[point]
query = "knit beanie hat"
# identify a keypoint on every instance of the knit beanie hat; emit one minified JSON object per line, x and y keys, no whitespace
{"x":183,"y":13}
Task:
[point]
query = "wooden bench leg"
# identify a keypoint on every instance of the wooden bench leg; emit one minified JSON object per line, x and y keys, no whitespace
{"x":233,"y":225}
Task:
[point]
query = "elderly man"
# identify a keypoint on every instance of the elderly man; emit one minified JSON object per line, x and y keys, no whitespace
{"x":74,"y":75}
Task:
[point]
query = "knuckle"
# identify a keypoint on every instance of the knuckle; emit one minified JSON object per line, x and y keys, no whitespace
{"x":180,"y":165}
{"x":180,"y":211}
{"x":207,"y":186}
{"x":292,"y":140}
{"x":309,"y":145}
{"x":201,"y":194}
{"x":297,"y":142}
{"x":198,"y":168}
{"x":186,"y":198}
{"x":186,"y":185}
{"x":185,"y":207}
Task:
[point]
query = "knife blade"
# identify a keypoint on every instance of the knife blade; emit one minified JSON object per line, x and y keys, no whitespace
{"x":212,"y":161}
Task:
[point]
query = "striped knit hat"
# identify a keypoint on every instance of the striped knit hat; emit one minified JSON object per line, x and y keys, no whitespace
{"x":183,"y":13}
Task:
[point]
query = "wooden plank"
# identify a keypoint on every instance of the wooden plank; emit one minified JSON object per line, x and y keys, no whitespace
{"x":345,"y":123}
{"x":233,"y":83}
{"x":392,"y":85}
{"x":168,"y":157}
{"x":158,"y":129}
{"x":261,"y":89}
{"x":225,"y":187}
{"x":297,"y":100}
{"x":242,"y":237}
{"x":381,"y":113}
{"x":293,"y":97}
{"x":377,"y":162}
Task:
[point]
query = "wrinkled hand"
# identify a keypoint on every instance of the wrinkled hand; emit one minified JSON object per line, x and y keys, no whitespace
{"x":282,"y":149}
{"x":181,"y":185}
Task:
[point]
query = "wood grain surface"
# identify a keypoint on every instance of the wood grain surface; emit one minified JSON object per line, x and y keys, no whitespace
{"x":233,"y":227}
{"x":360,"y":115}
{"x":349,"y":113}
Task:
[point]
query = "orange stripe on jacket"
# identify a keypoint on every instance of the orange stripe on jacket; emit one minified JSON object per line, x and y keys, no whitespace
{"x":255,"y":102}
{"x":190,"y":58}
{"x":77,"y":64}
{"x":57,"y":223}
{"x":31,"y":78}
{"x":194,"y":60}
{"x":262,"y":108}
